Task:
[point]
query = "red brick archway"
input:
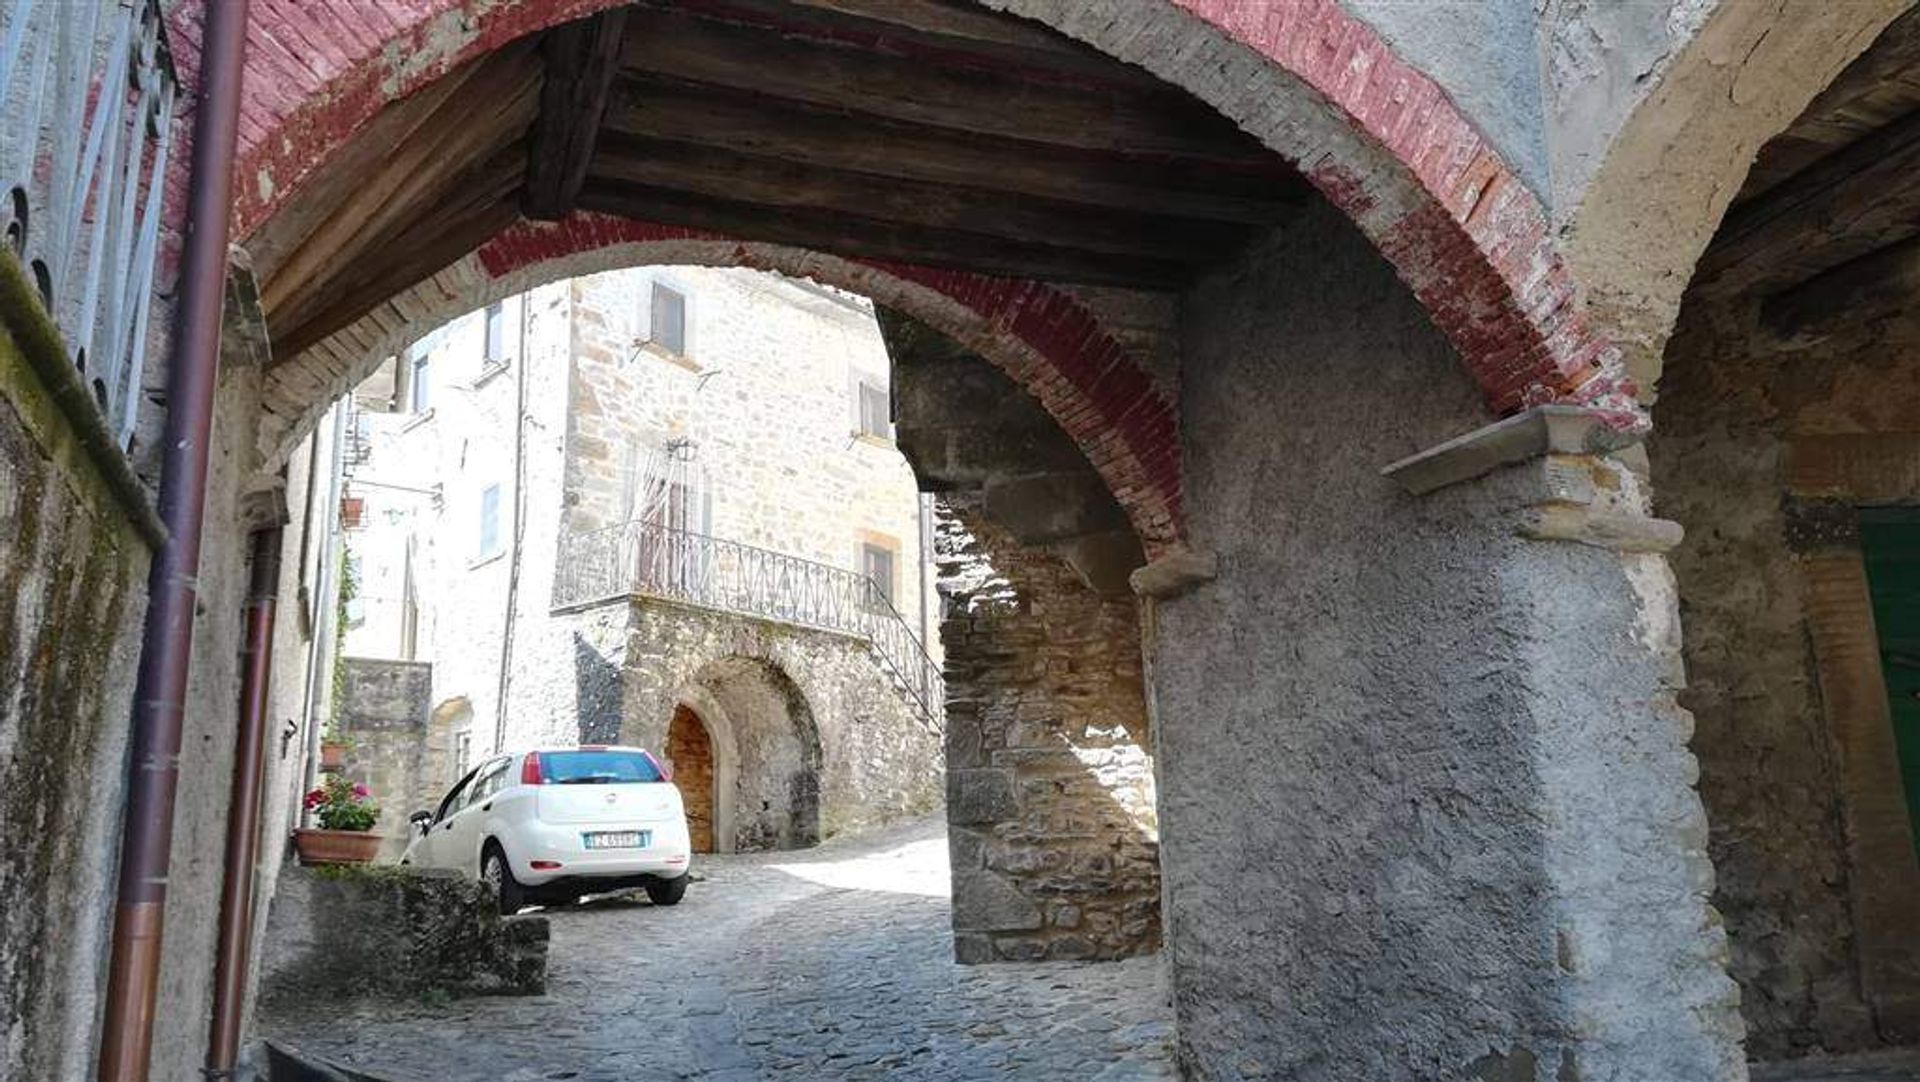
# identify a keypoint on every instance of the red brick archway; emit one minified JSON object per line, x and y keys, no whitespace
{"x":1044,"y":338}
{"x":1376,"y":135}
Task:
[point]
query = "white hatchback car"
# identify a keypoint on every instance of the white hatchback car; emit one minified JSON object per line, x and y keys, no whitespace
{"x":544,"y":827}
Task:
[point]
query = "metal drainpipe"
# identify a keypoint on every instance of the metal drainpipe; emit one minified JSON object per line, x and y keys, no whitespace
{"x":133,"y":974}
{"x":243,"y":816}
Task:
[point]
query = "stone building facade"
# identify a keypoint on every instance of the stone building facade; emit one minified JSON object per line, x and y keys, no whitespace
{"x":733,"y":430}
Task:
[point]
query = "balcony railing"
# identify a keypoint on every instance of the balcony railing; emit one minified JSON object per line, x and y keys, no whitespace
{"x":655,"y":561}
{"x":86,"y":109}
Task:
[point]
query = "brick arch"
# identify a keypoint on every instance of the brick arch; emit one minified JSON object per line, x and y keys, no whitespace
{"x":1378,"y":137}
{"x":1044,"y":338}
{"x":1675,"y":164}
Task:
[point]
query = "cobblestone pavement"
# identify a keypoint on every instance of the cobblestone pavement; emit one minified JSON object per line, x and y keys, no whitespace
{"x":834,"y":963}
{"x":1901,"y":1065}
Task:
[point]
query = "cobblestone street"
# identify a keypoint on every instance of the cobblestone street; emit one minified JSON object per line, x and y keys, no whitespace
{"x":829,"y":963}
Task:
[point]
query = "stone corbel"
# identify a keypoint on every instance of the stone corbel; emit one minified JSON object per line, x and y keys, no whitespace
{"x":1173,"y":573}
{"x":1571,"y":484}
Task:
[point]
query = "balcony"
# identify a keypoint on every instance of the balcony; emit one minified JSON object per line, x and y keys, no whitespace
{"x":643,"y":559}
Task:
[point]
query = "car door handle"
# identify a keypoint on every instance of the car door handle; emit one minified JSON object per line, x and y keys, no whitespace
{"x":488,"y":806}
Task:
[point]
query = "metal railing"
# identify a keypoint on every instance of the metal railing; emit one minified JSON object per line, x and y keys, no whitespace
{"x":655,"y":561}
{"x":86,"y":120}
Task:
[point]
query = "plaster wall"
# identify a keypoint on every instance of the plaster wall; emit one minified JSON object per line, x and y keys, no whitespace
{"x":1425,"y":801}
{"x":73,"y":574}
{"x":1742,"y":420}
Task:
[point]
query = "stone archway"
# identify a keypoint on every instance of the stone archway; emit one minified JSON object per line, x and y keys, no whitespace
{"x":766,"y":754}
{"x":689,"y":752}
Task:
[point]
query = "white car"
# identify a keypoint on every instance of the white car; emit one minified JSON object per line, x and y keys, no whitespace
{"x":544,"y":827}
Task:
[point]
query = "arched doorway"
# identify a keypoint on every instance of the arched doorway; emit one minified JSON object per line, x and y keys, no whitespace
{"x":690,"y":753}
{"x":765,"y":777}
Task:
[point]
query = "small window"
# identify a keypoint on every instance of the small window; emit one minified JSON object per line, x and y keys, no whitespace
{"x":496,"y":333}
{"x":876,"y":413}
{"x":490,"y":521}
{"x":668,"y":329}
{"x":420,"y":383}
{"x":876,"y":562}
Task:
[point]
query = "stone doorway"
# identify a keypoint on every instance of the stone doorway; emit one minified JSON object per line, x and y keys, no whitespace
{"x":690,"y":750}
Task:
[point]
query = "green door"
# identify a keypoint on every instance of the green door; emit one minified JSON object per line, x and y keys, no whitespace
{"x":1890,"y":540}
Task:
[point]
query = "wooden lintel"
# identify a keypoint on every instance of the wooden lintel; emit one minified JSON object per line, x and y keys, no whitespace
{"x":1876,"y":285}
{"x":581,"y":59}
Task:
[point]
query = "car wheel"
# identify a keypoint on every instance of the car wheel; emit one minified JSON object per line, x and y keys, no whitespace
{"x":495,"y":873}
{"x":667,"y":891}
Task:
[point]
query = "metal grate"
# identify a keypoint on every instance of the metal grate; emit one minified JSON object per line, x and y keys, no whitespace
{"x":86,"y":122}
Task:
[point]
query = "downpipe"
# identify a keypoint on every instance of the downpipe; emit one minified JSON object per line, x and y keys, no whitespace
{"x":235,"y":938}
{"x":133,"y":973}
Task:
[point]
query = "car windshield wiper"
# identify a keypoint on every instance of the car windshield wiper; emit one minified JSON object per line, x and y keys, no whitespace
{"x":592,"y":779}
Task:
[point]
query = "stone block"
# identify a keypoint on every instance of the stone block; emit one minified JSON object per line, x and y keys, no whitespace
{"x":980,"y":796}
{"x":985,"y":902}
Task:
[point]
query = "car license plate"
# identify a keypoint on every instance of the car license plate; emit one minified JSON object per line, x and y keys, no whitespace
{"x":619,"y":839}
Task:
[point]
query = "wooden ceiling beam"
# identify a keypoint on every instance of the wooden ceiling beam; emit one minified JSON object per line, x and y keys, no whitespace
{"x":850,"y":235}
{"x":581,"y":59}
{"x":779,"y":186}
{"x":1260,"y":193}
{"x":1874,"y":287}
{"x":681,"y":46}
{"x":1851,"y":202}
{"x":475,"y":206}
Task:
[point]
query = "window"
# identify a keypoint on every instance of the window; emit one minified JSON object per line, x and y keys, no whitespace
{"x":490,"y":521}
{"x":420,"y":383}
{"x":597,"y":767}
{"x":496,"y":318}
{"x":876,"y":562}
{"x":668,"y":328}
{"x":876,"y":413}
{"x":462,"y":751}
{"x":487,"y":782}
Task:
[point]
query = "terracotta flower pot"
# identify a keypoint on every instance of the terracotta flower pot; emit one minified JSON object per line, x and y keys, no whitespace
{"x":336,"y":846}
{"x":333,"y":756}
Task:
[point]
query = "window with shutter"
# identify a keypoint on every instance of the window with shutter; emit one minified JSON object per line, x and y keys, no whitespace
{"x":877,"y":564}
{"x":876,"y":413}
{"x":668,"y":328}
{"x":496,"y":318}
{"x":489,"y":521}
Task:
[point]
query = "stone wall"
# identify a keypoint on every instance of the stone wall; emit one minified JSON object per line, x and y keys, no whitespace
{"x":340,"y":934}
{"x":1763,"y":451}
{"x":1424,"y":795}
{"x":796,"y":716}
{"x":73,"y":571}
{"x":1053,"y":828}
{"x":394,"y":747}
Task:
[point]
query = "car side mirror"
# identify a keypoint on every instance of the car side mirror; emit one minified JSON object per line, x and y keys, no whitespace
{"x":421,"y":820}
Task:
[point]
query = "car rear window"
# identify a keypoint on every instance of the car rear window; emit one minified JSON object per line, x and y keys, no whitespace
{"x":597,"y":767}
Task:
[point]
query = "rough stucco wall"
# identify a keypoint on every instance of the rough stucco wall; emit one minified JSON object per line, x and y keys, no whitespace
{"x":1483,"y":53}
{"x":1053,"y":827}
{"x":1731,"y":407}
{"x":1424,"y":803}
{"x":72,"y":600}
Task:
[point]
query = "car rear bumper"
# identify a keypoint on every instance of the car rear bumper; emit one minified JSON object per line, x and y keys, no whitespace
{"x":563,"y":844}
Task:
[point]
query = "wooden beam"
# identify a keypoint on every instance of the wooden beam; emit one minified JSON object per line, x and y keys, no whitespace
{"x":1872,"y":288}
{"x":677,"y":45}
{"x":1851,"y":202}
{"x":581,"y":58}
{"x":411,"y":181}
{"x":780,"y":186}
{"x":1260,"y":192}
{"x":838,"y":233}
{"x":937,"y":31}
{"x":476,"y":205}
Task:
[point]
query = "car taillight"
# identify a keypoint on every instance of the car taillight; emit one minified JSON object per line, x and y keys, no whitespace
{"x":530,"y":770}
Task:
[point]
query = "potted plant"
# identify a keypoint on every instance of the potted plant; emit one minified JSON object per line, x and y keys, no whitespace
{"x":346,"y":814}
{"x":333,"y":750}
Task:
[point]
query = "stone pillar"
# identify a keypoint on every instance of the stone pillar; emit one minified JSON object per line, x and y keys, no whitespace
{"x":1053,"y":829}
{"x":1459,"y":835}
{"x":1426,"y":805}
